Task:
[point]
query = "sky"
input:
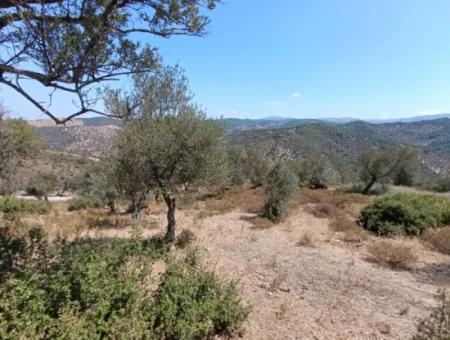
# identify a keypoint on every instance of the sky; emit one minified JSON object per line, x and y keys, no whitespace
{"x":312,"y":59}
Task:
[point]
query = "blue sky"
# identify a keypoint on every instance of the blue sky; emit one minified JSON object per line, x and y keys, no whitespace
{"x":321,"y":58}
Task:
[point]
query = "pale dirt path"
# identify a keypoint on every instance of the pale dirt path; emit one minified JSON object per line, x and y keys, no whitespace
{"x":325,"y":292}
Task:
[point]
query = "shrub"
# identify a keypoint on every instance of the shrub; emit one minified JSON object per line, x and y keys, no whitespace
{"x":352,"y":232}
{"x":307,"y":240}
{"x":84,"y":202}
{"x":322,"y":210}
{"x":100,"y":289}
{"x":11,"y":205}
{"x":392,"y":255}
{"x":441,"y":185}
{"x":192,"y":303}
{"x":185,"y":238}
{"x":280,"y":185}
{"x":437,"y":325}
{"x":439,"y":239}
{"x":406,"y":213}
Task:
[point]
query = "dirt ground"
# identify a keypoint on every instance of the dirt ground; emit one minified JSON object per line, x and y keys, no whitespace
{"x":321,"y":289}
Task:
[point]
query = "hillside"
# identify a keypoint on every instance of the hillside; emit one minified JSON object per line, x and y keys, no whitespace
{"x":290,"y":138}
{"x":343,"y":143}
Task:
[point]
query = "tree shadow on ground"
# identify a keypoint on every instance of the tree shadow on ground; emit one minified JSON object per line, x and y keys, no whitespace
{"x":435,"y":273}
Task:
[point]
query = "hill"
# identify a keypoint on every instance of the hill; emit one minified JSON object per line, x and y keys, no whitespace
{"x":341,"y":143}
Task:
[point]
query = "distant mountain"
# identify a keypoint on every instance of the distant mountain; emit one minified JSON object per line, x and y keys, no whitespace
{"x":409,"y":119}
{"x":340,"y":142}
{"x":343,"y":143}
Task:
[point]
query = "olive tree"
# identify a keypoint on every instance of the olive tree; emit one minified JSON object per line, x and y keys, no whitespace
{"x":17,"y":142}
{"x":381,"y":165}
{"x":100,"y":182}
{"x":74,"y":47}
{"x":247,"y":164}
{"x":42,"y":185}
{"x":167,"y":153}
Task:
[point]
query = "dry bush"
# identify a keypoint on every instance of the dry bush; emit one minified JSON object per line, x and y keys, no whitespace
{"x":246,"y":199}
{"x":355,"y":235}
{"x":439,"y":239}
{"x":322,"y":210}
{"x":103,"y":222}
{"x":307,"y":240}
{"x":352,"y":232}
{"x":281,"y":314}
{"x":185,"y":238}
{"x":277,"y":282}
{"x":343,"y":223}
{"x":261,"y":223}
{"x":335,"y":198}
{"x":204,"y":214}
{"x":219,"y":207}
{"x":437,"y":325}
{"x":393,"y":255}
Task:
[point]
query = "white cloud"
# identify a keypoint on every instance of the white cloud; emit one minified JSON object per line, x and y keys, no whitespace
{"x":277,"y":103}
{"x":296,"y":94}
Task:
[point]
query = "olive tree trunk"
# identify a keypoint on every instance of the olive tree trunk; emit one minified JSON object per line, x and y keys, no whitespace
{"x":170,"y":233}
{"x":369,"y":185}
{"x":137,"y":207}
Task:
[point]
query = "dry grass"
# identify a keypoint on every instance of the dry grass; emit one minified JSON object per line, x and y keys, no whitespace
{"x":113,"y":221}
{"x":307,"y":240}
{"x":334,"y":198}
{"x":245,"y":199}
{"x":322,"y":210}
{"x":219,"y":207}
{"x":351,"y":231}
{"x":185,"y":239}
{"x":439,"y":239}
{"x":394,"y":255}
{"x":261,"y":223}
{"x":277,"y":282}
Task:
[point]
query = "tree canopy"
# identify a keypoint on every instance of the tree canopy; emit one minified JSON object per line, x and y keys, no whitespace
{"x":17,"y":142}
{"x":381,"y":165}
{"x":167,"y":153}
{"x":75,"y":46}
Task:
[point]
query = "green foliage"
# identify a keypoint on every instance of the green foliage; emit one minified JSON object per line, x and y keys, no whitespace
{"x":312,"y":172}
{"x":247,"y":165}
{"x":97,"y":289}
{"x":17,"y":142}
{"x":384,"y":165}
{"x":441,"y":185}
{"x":437,"y":325}
{"x":280,"y":185}
{"x":168,"y":153}
{"x":192,"y":303}
{"x":406,"y":213}
{"x":42,"y":185}
{"x":14,"y":205}
{"x":71,"y":54}
{"x":84,"y":202}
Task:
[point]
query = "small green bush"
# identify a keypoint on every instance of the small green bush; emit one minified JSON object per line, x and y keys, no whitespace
{"x":406,"y":214}
{"x":441,"y":185}
{"x":280,"y":185}
{"x":192,"y":303}
{"x":103,"y":289}
{"x":11,"y":205}
{"x":84,"y":202}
